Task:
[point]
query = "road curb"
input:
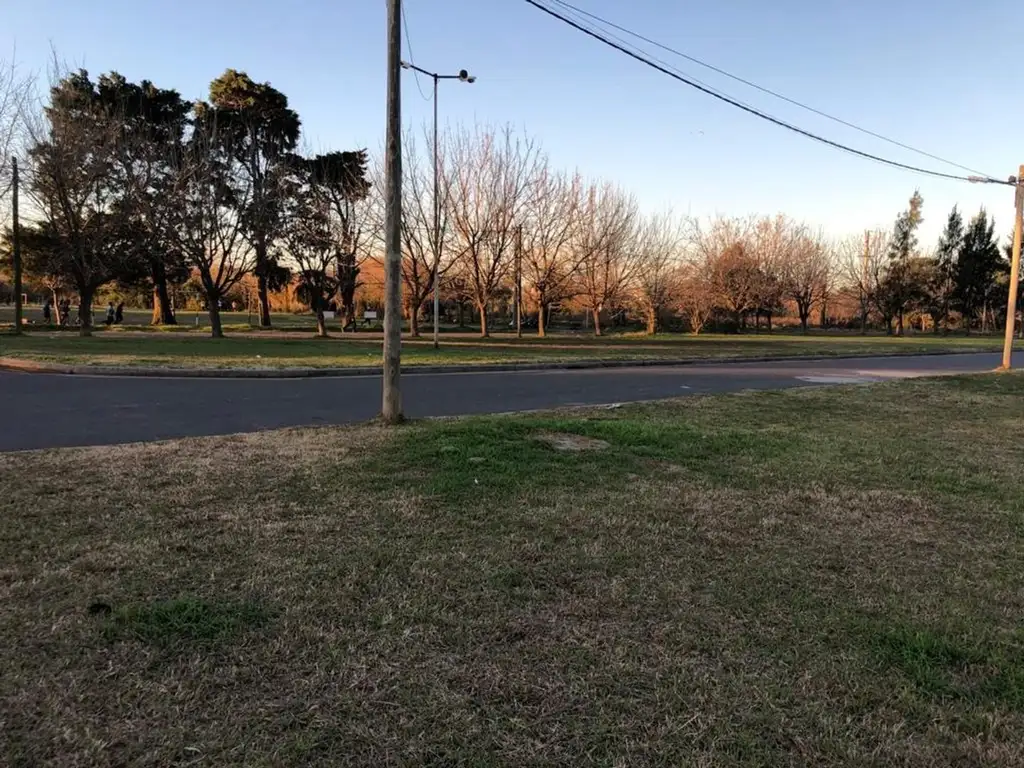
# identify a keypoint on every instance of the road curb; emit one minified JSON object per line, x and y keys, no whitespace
{"x":30,"y":366}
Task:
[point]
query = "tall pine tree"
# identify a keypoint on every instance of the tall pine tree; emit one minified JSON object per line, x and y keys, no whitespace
{"x":977,"y":265}
{"x":899,"y":285}
{"x":942,"y":281}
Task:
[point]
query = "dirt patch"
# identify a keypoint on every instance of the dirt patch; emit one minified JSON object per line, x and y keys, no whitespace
{"x":566,"y":441}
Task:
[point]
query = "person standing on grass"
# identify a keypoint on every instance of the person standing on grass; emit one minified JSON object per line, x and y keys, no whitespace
{"x":119,"y":314}
{"x":111,"y":312}
{"x":46,"y":311}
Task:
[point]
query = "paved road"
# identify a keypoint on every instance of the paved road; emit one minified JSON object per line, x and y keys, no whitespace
{"x":45,"y":411}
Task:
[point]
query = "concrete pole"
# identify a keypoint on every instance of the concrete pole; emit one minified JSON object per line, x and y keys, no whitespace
{"x":437,"y":230}
{"x":19,"y":310}
{"x":391,"y":396}
{"x":1011,"y":304}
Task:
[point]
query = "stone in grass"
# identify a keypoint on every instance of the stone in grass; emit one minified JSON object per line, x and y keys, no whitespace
{"x":565,"y":441}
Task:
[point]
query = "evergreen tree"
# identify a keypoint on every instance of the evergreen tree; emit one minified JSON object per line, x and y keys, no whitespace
{"x":942,"y":278}
{"x":898,"y":286}
{"x":977,"y":266}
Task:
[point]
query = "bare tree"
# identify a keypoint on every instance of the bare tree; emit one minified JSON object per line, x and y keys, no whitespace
{"x":696,"y":293}
{"x":724,"y":250}
{"x":860,"y":262}
{"x":493,"y":172}
{"x":771,"y":248}
{"x":659,"y":271}
{"x":418,"y":245}
{"x":807,"y":272}
{"x":607,"y":243}
{"x":15,"y":92}
{"x":550,"y":222}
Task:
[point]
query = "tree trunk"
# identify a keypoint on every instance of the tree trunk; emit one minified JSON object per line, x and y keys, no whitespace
{"x":414,"y":320}
{"x":768,"y":317}
{"x":899,"y":324}
{"x":264,"y":293}
{"x":757,"y":321}
{"x":321,"y":324}
{"x":216,"y":331}
{"x":863,"y":321}
{"x":85,"y":312}
{"x":597,"y":322}
{"x":484,"y":332}
{"x":652,"y":321}
{"x":162,"y":312}
{"x":541,"y":325}
{"x":805,"y":315}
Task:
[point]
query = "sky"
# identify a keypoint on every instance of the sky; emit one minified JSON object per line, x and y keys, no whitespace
{"x":939,"y":75}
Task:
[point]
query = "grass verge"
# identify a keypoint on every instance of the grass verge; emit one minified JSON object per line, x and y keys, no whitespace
{"x":178,"y":351}
{"x":822,"y":576}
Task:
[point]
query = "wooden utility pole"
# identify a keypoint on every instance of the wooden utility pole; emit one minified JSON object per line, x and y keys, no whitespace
{"x":519,"y":281}
{"x":19,"y":310}
{"x":391,"y":400}
{"x":1011,"y":304}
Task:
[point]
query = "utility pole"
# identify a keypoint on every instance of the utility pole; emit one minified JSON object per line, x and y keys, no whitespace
{"x":391,"y":396}
{"x":519,"y":281}
{"x":1011,"y":305}
{"x":437,"y":228}
{"x":16,"y":247}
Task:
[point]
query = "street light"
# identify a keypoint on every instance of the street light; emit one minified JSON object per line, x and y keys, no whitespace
{"x":463,"y":77}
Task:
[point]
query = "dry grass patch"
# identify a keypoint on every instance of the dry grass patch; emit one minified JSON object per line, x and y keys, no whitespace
{"x":821,"y":577}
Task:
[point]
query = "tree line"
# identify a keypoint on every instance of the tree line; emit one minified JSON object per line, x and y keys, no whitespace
{"x":133,"y":185}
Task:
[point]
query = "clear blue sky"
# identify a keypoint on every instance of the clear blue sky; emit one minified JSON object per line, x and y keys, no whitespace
{"x":941,"y":75}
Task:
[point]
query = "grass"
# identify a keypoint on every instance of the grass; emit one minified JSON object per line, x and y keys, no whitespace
{"x":262,"y":351}
{"x":819,"y":576}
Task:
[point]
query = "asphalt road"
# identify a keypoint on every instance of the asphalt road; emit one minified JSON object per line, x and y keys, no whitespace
{"x":47,"y":411}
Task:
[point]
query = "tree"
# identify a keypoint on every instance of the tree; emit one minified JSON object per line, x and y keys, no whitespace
{"x":257,"y":127}
{"x":897,"y":287}
{"x":418,"y":244}
{"x":771,"y":247}
{"x":658,"y":278}
{"x":492,"y":177}
{"x":152,"y":130}
{"x":15,"y":89}
{"x":859,"y":264}
{"x":209,"y":195}
{"x":340,"y":181}
{"x":73,"y":156}
{"x":807,"y":273}
{"x":941,"y":284}
{"x":550,"y":223}
{"x":977,"y":264}
{"x":310,"y":243}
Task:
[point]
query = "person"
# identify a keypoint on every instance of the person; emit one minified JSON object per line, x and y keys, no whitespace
{"x":111,"y":312}
{"x":46,"y":311}
{"x":119,"y":314}
{"x":65,"y":312}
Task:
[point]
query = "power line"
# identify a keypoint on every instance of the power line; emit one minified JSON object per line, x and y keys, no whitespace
{"x":751,"y":110}
{"x":761,"y":88}
{"x":408,"y":46}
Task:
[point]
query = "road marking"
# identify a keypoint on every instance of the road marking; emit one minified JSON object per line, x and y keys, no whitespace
{"x":837,"y":379}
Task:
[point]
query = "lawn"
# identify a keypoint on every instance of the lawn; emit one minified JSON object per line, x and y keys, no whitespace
{"x":278,"y":351}
{"x":813,"y":577}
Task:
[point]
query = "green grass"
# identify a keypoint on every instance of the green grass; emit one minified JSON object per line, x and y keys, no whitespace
{"x":275,"y":351}
{"x":823,"y":576}
{"x":184,"y":622}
